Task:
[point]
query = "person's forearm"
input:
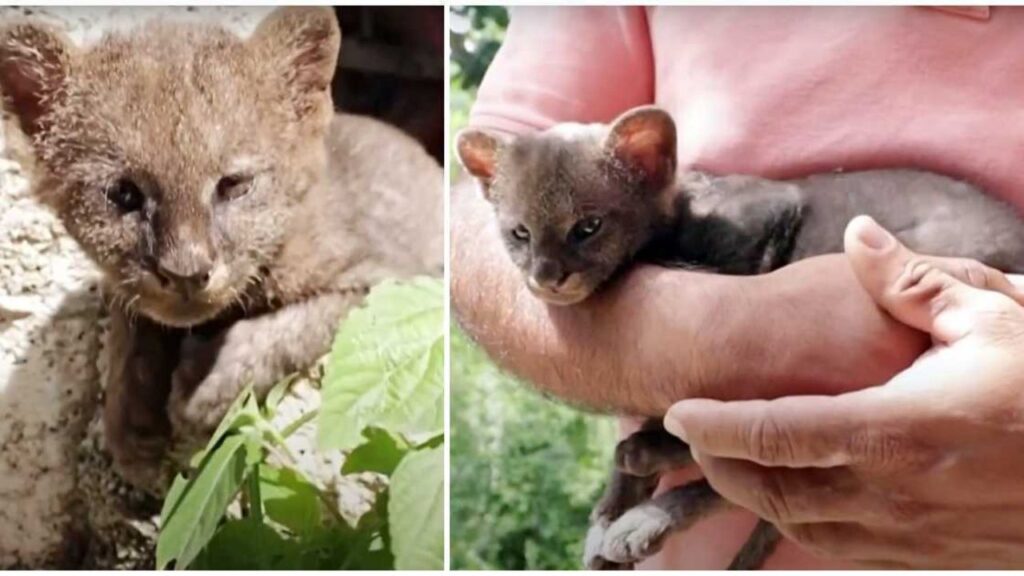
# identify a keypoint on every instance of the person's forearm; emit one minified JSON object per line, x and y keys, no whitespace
{"x":660,"y":335}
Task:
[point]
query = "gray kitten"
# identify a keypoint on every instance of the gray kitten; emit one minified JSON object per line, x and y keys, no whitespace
{"x":235,"y":216}
{"x":577,"y":203}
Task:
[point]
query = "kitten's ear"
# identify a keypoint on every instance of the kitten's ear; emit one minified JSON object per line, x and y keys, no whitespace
{"x":478,"y":153}
{"x":644,"y":139}
{"x":302,"y":43}
{"x":35,"y":61}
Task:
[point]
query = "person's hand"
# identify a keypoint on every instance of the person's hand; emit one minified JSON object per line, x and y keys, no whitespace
{"x":924,"y":471}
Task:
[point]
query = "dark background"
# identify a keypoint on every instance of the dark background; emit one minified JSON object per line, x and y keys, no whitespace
{"x":392,"y":68}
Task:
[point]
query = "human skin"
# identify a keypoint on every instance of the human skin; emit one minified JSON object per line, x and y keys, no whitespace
{"x":918,"y":473}
{"x":659,"y":335}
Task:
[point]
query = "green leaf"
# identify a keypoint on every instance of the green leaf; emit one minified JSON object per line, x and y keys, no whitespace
{"x":386,"y":366}
{"x":276,"y":394}
{"x":193,"y":508}
{"x":244,"y":411}
{"x":247,"y":545}
{"x":290,"y":500}
{"x":416,"y":511}
{"x":380,"y":453}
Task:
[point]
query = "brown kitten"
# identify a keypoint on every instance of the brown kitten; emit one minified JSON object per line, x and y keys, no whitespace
{"x":235,"y":216}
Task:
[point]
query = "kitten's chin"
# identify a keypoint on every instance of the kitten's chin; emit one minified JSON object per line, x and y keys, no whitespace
{"x":179,"y":314}
{"x":561,"y":298}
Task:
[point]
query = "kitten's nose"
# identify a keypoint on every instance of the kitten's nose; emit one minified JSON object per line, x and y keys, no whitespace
{"x":548,"y":275}
{"x":188,"y":274}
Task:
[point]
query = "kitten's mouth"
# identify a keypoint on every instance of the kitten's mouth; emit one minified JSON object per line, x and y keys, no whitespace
{"x":560,"y":296}
{"x":176,"y":309}
{"x":180,"y":308}
{"x":179,"y":312}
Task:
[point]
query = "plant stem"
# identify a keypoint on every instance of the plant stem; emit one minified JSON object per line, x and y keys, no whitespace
{"x":299,"y":422}
{"x":254,"y":496}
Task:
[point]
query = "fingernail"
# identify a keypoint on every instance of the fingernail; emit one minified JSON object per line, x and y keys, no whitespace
{"x":674,"y":426}
{"x":872,"y":235}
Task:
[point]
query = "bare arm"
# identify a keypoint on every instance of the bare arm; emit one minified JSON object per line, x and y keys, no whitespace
{"x":660,"y":335}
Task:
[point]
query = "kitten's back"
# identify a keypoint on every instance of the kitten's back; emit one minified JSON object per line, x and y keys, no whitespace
{"x":931,"y":213}
{"x":379,"y":214}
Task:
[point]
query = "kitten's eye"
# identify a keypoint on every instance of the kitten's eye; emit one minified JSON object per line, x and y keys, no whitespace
{"x":126,"y":196}
{"x":234,"y":186}
{"x":521,"y":234}
{"x":585,"y":228}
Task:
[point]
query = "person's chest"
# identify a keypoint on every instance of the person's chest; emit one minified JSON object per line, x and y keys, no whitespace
{"x":783,"y":92}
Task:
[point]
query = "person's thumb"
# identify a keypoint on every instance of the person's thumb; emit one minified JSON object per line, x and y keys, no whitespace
{"x":945,"y":297}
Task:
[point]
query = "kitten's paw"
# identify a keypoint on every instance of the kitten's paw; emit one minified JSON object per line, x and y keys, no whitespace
{"x":637,"y":534}
{"x":138,"y":441}
{"x":152,"y":476}
{"x":140,"y":460}
{"x":209,"y":376}
{"x":650,"y":452}
{"x":592,"y":558}
{"x":633,"y":457}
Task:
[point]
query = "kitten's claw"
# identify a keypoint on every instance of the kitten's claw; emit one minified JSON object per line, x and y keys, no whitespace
{"x":637,"y":534}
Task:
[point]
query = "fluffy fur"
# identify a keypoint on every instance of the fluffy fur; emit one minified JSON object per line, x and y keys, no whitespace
{"x":234,"y":215}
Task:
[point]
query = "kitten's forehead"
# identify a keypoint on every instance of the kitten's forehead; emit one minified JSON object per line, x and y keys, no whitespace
{"x":168,"y":97}
{"x":552,"y":175}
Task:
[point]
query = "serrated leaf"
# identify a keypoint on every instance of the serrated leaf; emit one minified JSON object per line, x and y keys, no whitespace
{"x":194,"y":508}
{"x":289,"y":499}
{"x":416,"y":511}
{"x":380,"y":453}
{"x":386,"y":366}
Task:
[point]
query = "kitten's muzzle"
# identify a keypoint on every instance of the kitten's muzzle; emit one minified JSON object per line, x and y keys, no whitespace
{"x":188,"y":278}
{"x":565,"y":291}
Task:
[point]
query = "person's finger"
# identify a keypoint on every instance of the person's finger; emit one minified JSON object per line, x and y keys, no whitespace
{"x":942,"y":296}
{"x":799,"y":431}
{"x":794,"y":496}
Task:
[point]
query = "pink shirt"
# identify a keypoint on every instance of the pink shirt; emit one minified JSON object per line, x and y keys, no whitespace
{"x":778,"y":92}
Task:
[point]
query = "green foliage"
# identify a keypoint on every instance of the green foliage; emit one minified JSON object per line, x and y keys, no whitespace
{"x":476,"y":35}
{"x":383,"y":398}
{"x":387,"y":366}
{"x":416,"y":506}
{"x":525,"y":471}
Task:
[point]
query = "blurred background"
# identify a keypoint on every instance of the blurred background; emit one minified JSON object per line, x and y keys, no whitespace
{"x":525,"y":470}
{"x":392,"y":68}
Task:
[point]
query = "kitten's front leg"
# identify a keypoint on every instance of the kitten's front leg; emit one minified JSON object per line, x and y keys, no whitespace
{"x":622,"y":493}
{"x":142,"y":356}
{"x":257,"y":351}
{"x":642,"y":530}
{"x":639,"y":461}
{"x":651,"y":450}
